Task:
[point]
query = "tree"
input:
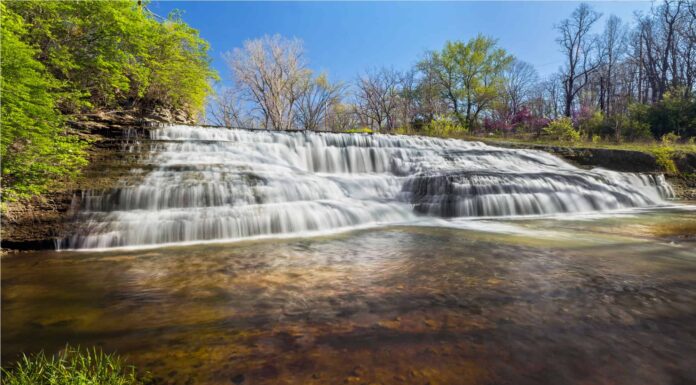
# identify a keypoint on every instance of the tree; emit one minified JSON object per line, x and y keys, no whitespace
{"x":470,"y":75}
{"x":272,"y":74}
{"x":316,"y":99}
{"x":179,"y":73}
{"x":429,"y":92}
{"x":63,"y":58}
{"x":519,"y":82}
{"x":117,"y":54}
{"x":377,"y":98}
{"x":612,"y":46}
{"x":225,"y":108}
{"x":577,"y":46}
{"x":35,"y":149}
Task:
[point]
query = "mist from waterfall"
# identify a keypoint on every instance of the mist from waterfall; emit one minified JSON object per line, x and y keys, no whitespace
{"x":217,"y":184}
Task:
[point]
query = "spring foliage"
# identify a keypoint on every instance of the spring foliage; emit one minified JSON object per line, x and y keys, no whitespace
{"x":62,"y":58}
{"x":562,"y":129}
{"x":35,"y":149}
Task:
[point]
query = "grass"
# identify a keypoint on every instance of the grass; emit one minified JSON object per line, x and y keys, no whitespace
{"x":650,"y":146}
{"x":71,"y":366}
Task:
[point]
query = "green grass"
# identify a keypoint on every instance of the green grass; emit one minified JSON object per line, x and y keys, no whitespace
{"x":71,"y":366}
{"x":634,"y":146}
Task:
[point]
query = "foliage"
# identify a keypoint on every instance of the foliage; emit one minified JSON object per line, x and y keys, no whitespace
{"x":470,"y":74}
{"x":674,"y":113}
{"x":180,"y":72}
{"x":636,"y":125}
{"x":562,"y":129}
{"x":116,"y":53}
{"x":71,"y":366}
{"x":364,"y":130}
{"x":36,"y":148}
{"x":588,"y":121}
{"x":669,"y":138}
{"x":443,"y":126}
{"x":78,"y":56}
{"x":664,"y":156}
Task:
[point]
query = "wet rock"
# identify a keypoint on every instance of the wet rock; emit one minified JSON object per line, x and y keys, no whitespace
{"x":358,"y":371}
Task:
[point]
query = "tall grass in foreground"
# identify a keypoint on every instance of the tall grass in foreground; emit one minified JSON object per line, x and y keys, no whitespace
{"x":71,"y":366}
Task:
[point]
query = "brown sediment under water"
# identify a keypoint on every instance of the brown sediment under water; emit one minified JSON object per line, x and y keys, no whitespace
{"x":580,"y":300}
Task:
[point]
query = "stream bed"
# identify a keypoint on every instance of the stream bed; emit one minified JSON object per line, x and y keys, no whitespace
{"x":598,"y":298}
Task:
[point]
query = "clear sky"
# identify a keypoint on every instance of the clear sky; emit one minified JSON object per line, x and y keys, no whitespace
{"x":345,"y":38}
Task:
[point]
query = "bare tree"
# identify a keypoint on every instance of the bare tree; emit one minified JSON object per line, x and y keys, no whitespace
{"x":272,"y":73}
{"x":519,"y":82}
{"x":341,"y":117}
{"x":316,"y":99}
{"x":612,"y":46}
{"x":378,"y":97}
{"x":577,"y":45}
{"x":225,"y":108}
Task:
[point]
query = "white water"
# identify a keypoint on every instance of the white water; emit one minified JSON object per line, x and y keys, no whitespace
{"x":218,"y":184}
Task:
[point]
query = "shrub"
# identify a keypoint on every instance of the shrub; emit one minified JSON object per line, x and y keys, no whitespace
{"x":443,"y":126}
{"x":664,"y":157}
{"x":71,"y":366}
{"x":669,"y":138}
{"x":402,"y":130}
{"x":589,"y":122}
{"x":562,"y":129}
{"x":363,"y":130}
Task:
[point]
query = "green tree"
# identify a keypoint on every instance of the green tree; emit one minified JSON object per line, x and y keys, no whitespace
{"x":179,"y":66}
{"x":35,"y":149}
{"x":112,"y":54}
{"x":470,"y":75}
{"x":81,"y":56}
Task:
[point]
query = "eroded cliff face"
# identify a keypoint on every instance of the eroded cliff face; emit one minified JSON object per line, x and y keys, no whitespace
{"x":114,"y":138}
{"x":684,"y":183}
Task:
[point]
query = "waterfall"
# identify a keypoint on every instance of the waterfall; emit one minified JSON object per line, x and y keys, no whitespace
{"x":219,"y":184}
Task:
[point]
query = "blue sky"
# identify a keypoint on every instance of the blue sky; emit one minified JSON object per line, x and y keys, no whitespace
{"x":345,"y":38}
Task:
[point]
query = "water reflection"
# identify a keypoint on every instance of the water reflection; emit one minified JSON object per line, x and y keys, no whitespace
{"x":610,"y":300}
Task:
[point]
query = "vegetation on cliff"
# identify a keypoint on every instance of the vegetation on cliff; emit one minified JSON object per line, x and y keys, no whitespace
{"x":64,"y":58}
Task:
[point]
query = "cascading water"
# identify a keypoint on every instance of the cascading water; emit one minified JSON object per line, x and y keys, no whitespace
{"x":219,"y":184}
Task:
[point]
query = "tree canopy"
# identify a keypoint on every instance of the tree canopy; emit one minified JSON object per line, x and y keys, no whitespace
{"x":61,"y":58}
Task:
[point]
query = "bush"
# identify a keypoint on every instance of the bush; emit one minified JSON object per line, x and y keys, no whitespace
{"x":664,"y":156}
{"x":71,"y":366}
{"x":670,"y":138}
{"x":562,"y":129}
{"x":589,"y":122}
{"x":637,"y":126}
{"x":442,"y":126}
{"x":363,"y":130}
